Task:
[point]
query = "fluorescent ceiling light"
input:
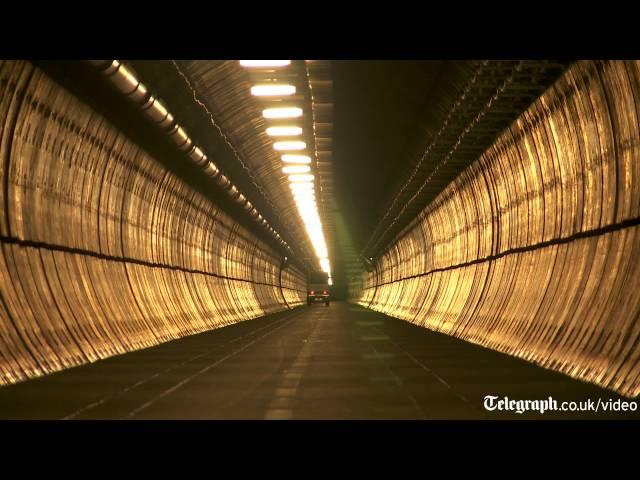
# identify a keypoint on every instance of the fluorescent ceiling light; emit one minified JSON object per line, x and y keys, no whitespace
{"x":272,"y":90}
{"x":264,"y":63}
{"x":284,"y":131}
{"x":295,"y":145}
{"x":303,"y":195}
{"x":302,"y":187}
{"x":291,"y":158}
{"x":301,"y":178}
{"x":324,"y":263}
{"x":282,"y":112}
{"x":296,"y":169}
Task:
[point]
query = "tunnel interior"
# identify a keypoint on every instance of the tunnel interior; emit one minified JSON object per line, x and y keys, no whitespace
{"x":491,"y":203}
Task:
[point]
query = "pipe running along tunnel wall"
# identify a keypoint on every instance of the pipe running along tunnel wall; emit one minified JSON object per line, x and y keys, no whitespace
{"x":103,"y":250}
{"x":534,"y":249}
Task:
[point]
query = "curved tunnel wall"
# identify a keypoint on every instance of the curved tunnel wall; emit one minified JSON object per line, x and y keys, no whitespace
{"x":103,"y":250}
{"x":534,"y":250}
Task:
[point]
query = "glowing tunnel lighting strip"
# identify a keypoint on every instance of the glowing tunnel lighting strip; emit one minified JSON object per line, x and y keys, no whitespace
{"x":295,"y":145}
{"x":292,"y":158}
{"x":297,"y":169}
{"x":282,"y":112}
{"x":284,"y":131}
{"x":299,"y":166}
{"x":265,"y":63}
{"x":272,"y":90}
{"x":306,"y":178}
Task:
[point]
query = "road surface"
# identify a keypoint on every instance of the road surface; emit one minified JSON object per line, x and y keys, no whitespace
{"x":340,"y":362}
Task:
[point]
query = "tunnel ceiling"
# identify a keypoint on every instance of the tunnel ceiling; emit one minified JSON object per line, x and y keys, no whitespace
{"x":378,"y":106}
{"x":389,"y":136}
{"x":499,"y":210}
{"x":396,"y":121}
{"x":216,"y":100}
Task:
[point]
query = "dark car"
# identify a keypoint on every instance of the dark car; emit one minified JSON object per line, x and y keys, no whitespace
{"x":318,"y":289}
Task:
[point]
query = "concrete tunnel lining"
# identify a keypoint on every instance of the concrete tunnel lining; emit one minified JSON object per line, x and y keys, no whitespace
{"x":104,"y":250}
{"x":530,"y":251}
{"x":88,"y":217}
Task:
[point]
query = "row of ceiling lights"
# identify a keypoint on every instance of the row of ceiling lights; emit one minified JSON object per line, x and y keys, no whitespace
{"x":296,"y":164}
{"x":126,"y":82}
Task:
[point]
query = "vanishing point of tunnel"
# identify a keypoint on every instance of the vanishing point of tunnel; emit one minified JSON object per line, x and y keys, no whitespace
{"x":305,"y":239}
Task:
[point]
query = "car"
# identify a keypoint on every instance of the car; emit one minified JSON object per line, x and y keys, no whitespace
{"x":318,"y":289}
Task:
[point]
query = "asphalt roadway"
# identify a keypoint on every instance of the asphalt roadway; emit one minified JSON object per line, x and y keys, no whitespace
{"x":317,"y":362}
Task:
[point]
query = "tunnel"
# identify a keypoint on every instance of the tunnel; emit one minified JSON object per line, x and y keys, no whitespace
{"x":319,"y":239}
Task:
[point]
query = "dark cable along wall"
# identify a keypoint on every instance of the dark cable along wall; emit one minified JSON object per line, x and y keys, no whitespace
{"x":534,"y":250}
{"x":103,"y":250}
